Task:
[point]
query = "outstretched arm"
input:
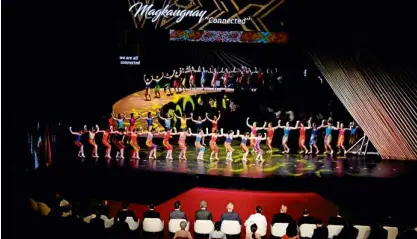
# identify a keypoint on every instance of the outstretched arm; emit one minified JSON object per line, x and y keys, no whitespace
{"x":337,"y":127}
{"x":72,"y":132}
{"x":212,"y":121}
{"x":309,"y":123}
{"x":176,"y":116}
{"x":262,"y":126}
{"x":247,"y":123}
{"x":279,"y":125}
{"x":264,"y":138}
{"x":296,"y":125}
{"x":237,"y":135}
{"x":159,"y":115}
{"x":219,"y":116}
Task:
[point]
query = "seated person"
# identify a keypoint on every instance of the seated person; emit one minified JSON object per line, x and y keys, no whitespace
{"x":348,"y":232}
{"x":337,"y":220}
{"x":377,"y":231}
{"x":177,"y":213}
{"x":257,"y":218}
{"x":306,"y":218}
{"x":320,"y":232}
{"x":151,"y":213}
{"x":230,"y":215}
{"x":182,"y":233}
{"x":253,"y":234}
{"x":217,"y":234}
{"x":291,"y":232}
{"x":203,"y":214}
{"x":282,"y":217}
{"x":125,"y":213}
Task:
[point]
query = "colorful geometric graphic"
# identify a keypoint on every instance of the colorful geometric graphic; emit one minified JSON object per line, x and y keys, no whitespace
{"x":228,"y":36}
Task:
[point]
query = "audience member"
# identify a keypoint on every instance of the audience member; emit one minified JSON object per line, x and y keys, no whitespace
{"x":203,"y":214}
{"x":377,"y":231}
{"x":217,"y":234}
{"x":320,"y":232}
{"x":337,"y":220}
{"x":103,"y":208}
{"x":306,"y":218}
{"x":230,"y":215}
{"x":182,"y":233}
{"x":151,"y":213}
{"x":257,"y":218}
{"x":347,"y":232}
{"x":252,"y":234}
{"x":61,"y":207}
{"x":409,"y":233}
{"x":177,"y":213}
{"x":124,"y":213}
{"x":291,"y":232}
{"x":282,"y":217}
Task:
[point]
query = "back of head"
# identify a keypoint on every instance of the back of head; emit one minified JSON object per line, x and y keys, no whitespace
{"x":217,"y":226}
{"x":177,"y":204}
{"x":253,"y":229}
{"x":203,"y":204}
{"x":305,"y":212}
{"x":259,"y":209}
{"x":319,"y":222}
{"x":183,"y":225}
{"x":230,"y":207}
{"x":151,"y":206}
{"x":283,"y":208}
{"x":125,"y":205}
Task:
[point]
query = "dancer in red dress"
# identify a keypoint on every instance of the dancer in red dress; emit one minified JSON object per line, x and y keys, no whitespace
{"x":106,"y":140}
{"x":214,"y":122}
{"x":253,"y":132}
{"x":167,"y":135}
{"x":270,"y":135}
{"x":302,"y":138}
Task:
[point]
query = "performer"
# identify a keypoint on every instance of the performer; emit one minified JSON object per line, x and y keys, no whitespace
{"x":253,"y":129}
{"x":198,"y":137}
{"x":341,"y":140}
{"x":167,"y":145}
{"x":77,"y":141}
{"x":270,"y":135}
{"x":259,"y":151}
{"x":192,"y":78}
{"x":226,"y":76}
{"x":132,"y":121}
{"x":213,"y":145}
{"x":183,"y":120}
{"x":328,"y":137}
{"x":182,"y":145}
{"x":119,"y":120}
{"x":91,"y":139}
{"x":152,"y":146}
{"x":118,"y":141}
{"x":167,"y":121}
{"x":157,"y":86}
{"x":214,"y":79}
{"x":313,"y":138}
{"x":228,"y":143}
{"x":147,"y":88}
{"x":167,"y":85}
{"x":214,"y":122}
{"x":106,"y":138}
{"x":302,"y":138}
{"x":353,"y":133}
{"x":149,"y":120}
{"x":110,"y":120}
{"x":203,"y":76}
{"x":243,"y":145}
{"x":287,"y":130}
{"x":176,"y":76}
{"x":183,"y":80}
{"x":199,"y":123}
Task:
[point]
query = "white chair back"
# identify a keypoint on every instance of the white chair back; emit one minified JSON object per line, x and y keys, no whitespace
{"x":334,"y":230}
{"x":279,"y":229}
{"x":174,"y":225}
{"x":203,"y":226}
{"x":307,"y":230}
{"x":261,"y":230}
{"x":231,"y":227}
{"x":44,"y":209}
{"x":364,"y":231}
{"x":107,"y":222}
{"x":392,"y":232}
{"x":132,"y":224}
{"x":88,"y":218}
{"x":153,"y":225}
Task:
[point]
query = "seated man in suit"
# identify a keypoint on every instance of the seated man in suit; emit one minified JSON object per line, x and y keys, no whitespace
{"x":348,"y":232}
{"x":337,"y":220}
{"x":320,"y":232}
{"x":282,"y":217}
{"x":230,"y":215}
{"x":124,"y":213}
{"x":151,"y":213}
{"x":177,"y":213}
{"x":306,"y":218}
{"x":203,"y":214}
{"x":377,"y":231}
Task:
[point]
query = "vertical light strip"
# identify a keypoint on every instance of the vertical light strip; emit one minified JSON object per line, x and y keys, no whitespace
{"x":384,"y":104}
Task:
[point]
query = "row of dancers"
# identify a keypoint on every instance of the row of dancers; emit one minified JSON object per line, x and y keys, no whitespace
{"x":243,"y":76}
{"x":117,"y":137}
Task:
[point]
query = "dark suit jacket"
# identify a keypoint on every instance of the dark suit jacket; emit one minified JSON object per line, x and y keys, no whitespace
{"x":320,"y":233}
{"x":151,"y":214}
{"x":281,"y":218}
{"x":336,"y":221}
{"x":348,"y":232}
{"x":122,"y":215}
{"x":177,"y":214}
{"x":306,"y":220}
{"x":203,"y":215}
{"x":378,"y":232}
{"x":231,"y":216}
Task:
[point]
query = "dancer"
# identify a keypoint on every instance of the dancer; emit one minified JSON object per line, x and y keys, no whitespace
{"x":199,"y":125}
{"x":192,"y":78}
{"x":182,"y":145}
{"x":134,"y":142}
{"x":106,"y":140}
{"x":258,"y":149}
{"x":243,"y":145}
{"x":183,"y":80}
{"x":353,"y":135}
{"x":120,"y":118}
{"x":118,"y":141}
{"x":328,"y":137}
{"x":213,"y":144}
{"x":152,"y":146}
{"x":175,"y":76}
{"x":167,"y":85}
{"x":149,"y":120}
{"x":167,"y":145}
{"x":109,"y":120}
{"x":253,"y":129}
{"x":183,"y":120}
{"x":198,"y":137}
{"x":157,"y":86}
{"x":341,"y":140}
{"x":287,"y":130}
{"x":167,"y":121}
{"x":147,"y":88}
{"x":214,"y":122}
{"x":270,"y":135}
{"x":228,"y":143}
{"x":132,"y":121}
{"x":226,"y":76}
{"x":313,"y":138}
{"x":214,"y":79}
{"x":302,"y":138}
{"x":92,"y":140}
{"x":203,"y":76}
{"x":77,"y":141}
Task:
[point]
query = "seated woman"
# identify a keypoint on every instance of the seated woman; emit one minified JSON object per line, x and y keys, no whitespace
{"x":217,"y":234}
{"x":183,"y":234}
{"x":252,"y":234}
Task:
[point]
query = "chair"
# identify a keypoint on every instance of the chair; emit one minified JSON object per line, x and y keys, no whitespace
{"x":174,"y":225}
{"x":364,"y":232}
{"x":107,"y":222}
{"x":307,"y":230}
{"x":261,"y":230}
{"x":279,"y":229}
{"x":33,"y":205}
{"x":203,"y":227}
{"x":231,"y":227}
{"x":153,"y":225}
{"x":44,"y":209}
{"x":392,"y":232}
{"x":334,"y":230}
{"x":132,"y":224}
